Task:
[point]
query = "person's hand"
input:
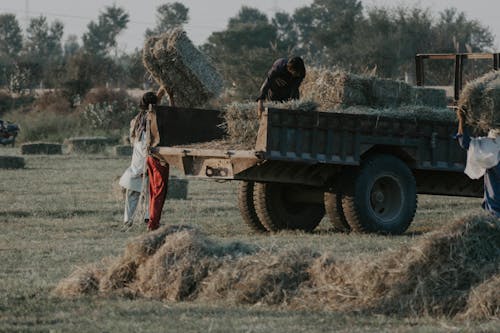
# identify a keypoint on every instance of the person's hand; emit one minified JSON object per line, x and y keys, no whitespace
{"x":260,"y":108}
{"x":280,"y":82}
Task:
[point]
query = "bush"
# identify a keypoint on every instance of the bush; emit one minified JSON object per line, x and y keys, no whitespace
{"x":53,"y":101}
{"x":108,"y":109}
{"x":9,"y":103}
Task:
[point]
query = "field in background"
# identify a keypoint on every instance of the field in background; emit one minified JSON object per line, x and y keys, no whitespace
{"x":60,"y":213}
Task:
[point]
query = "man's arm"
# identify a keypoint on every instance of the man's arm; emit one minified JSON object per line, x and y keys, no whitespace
{"x":462,"y":136}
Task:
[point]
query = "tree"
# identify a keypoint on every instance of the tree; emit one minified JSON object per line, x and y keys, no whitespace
{"x":169,"y":16}
{"x":101,"y":35}
{"x":245,"y":50}
{"x":71,"y":45}
{"x":11,"y":39}
{"x":11,"y":42}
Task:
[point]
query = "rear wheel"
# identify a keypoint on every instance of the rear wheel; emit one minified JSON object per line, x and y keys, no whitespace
{"x":381,"y":196}
{"x":277,"y":210}
{"x":247,"y":208}
{"x":334,"y":211}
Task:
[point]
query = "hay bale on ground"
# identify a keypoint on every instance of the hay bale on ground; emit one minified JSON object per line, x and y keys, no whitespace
{"x":88,"y":145}
{"x":174,"y":62}
{"x":177,"y":188}
{"x":11,"y":162}
{"x":123,"y":150}
{"x":480,"y":101}
{"x":47,"y":148}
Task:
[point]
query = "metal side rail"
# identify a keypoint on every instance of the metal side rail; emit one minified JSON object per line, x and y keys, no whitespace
{"x":209,"y":163}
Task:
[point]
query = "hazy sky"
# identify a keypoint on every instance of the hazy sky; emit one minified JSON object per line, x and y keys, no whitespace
{"x":211,"y":15}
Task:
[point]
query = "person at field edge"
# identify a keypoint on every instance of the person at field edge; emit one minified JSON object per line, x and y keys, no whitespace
{"x":482,"y":161}
{"x":282,"y":82}
{"x":158,"y":168}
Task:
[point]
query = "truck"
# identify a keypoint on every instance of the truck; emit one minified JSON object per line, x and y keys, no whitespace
{"x":364,"y":172}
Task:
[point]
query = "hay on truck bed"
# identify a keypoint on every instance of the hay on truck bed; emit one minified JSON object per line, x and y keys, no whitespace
{"x":330,"y":88}
{"x":480,"y":101}
{"x":174,"y":62}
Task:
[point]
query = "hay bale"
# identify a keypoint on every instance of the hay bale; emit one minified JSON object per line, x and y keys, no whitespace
{"x":47,"y":148}
{"x":11,"y":162}
{"x":388,"y":93}
{"x":174,"y":62}
{"x":480,"y":102}
{"x":177,"y":188}
{"x":87,"y":145}
{"x":412,"y":112}
{"x":123,"y":150}
{"x":241,"y":122}
{"x":484,"y":300}
{"x":433,"y":97}
{"x":332,"y":87}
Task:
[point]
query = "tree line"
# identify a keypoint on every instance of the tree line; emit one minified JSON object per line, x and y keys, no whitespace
{"x":380,"y":40}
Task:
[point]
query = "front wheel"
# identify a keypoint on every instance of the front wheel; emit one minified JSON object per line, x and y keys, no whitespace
{"x":381,"y":197}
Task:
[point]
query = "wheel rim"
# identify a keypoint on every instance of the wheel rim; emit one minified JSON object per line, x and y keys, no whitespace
{"x":386,"y":198}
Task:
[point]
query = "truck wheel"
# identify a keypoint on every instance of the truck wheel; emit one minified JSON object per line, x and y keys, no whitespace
{"x":381,"y":197}
{"x":277,"y":212}
{"x":247,"y":208}
{"x":334,"y":211}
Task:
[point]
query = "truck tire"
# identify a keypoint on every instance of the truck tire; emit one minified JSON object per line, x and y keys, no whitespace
{"x":247,"y":208}
{"x":381,"y":197}
{"x":277,"y":213}
{"x":335,"y":213}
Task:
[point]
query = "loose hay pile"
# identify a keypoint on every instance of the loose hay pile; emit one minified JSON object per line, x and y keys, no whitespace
{"x":41,"y":148}
{"x":454,"y":271}
{"x":11,"y":162}
{"x":177,"y":64}
{"x":480,"y":101}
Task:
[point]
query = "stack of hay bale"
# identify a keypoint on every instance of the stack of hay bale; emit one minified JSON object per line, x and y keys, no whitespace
{"x":175,"y":63}
{"x":480,"y":102}
{"x":339,"y":91}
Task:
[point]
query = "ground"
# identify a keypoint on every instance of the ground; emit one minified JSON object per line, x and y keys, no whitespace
{"x":61,"y":212}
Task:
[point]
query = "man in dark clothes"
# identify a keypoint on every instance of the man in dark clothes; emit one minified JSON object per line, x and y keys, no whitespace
{"x":282,"y":82}
{"x":491,"y":174}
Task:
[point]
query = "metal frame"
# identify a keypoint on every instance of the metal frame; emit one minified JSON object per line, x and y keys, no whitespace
{"x":459,"y":66}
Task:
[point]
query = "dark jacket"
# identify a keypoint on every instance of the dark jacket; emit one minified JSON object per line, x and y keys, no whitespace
{"x":274,"y":91}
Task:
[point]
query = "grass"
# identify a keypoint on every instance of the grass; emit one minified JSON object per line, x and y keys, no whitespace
{"x":60,"y":213}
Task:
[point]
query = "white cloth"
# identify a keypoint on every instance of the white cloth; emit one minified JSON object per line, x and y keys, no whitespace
{"x":132,"y":177}
{"x":481,"y":155}
{"x":131,"y":201}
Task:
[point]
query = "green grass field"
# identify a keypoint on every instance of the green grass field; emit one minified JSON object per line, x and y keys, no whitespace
{"x":60,"y":213}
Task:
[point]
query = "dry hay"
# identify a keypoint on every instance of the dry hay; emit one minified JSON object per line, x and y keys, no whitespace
{"x":241,"y":122}
{"x":484,"y":300}
{"x":123,"y":150}
{"x":415,"y":113}
{"x":11,"y":162}
{"x":332,"y":88}
{"x":174,"y":62}
{"x":480,"y":101}
{"x":47,"y":148}
{"x":83,"y":281}
{"x":264,"y":278}
{"x":453,"y":271}
{"x":432,"y":277}
{"x":177,"y":188}
{"x":87,"y":145}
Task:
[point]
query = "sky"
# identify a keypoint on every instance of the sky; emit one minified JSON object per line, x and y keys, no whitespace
{"x":207,"y":16}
